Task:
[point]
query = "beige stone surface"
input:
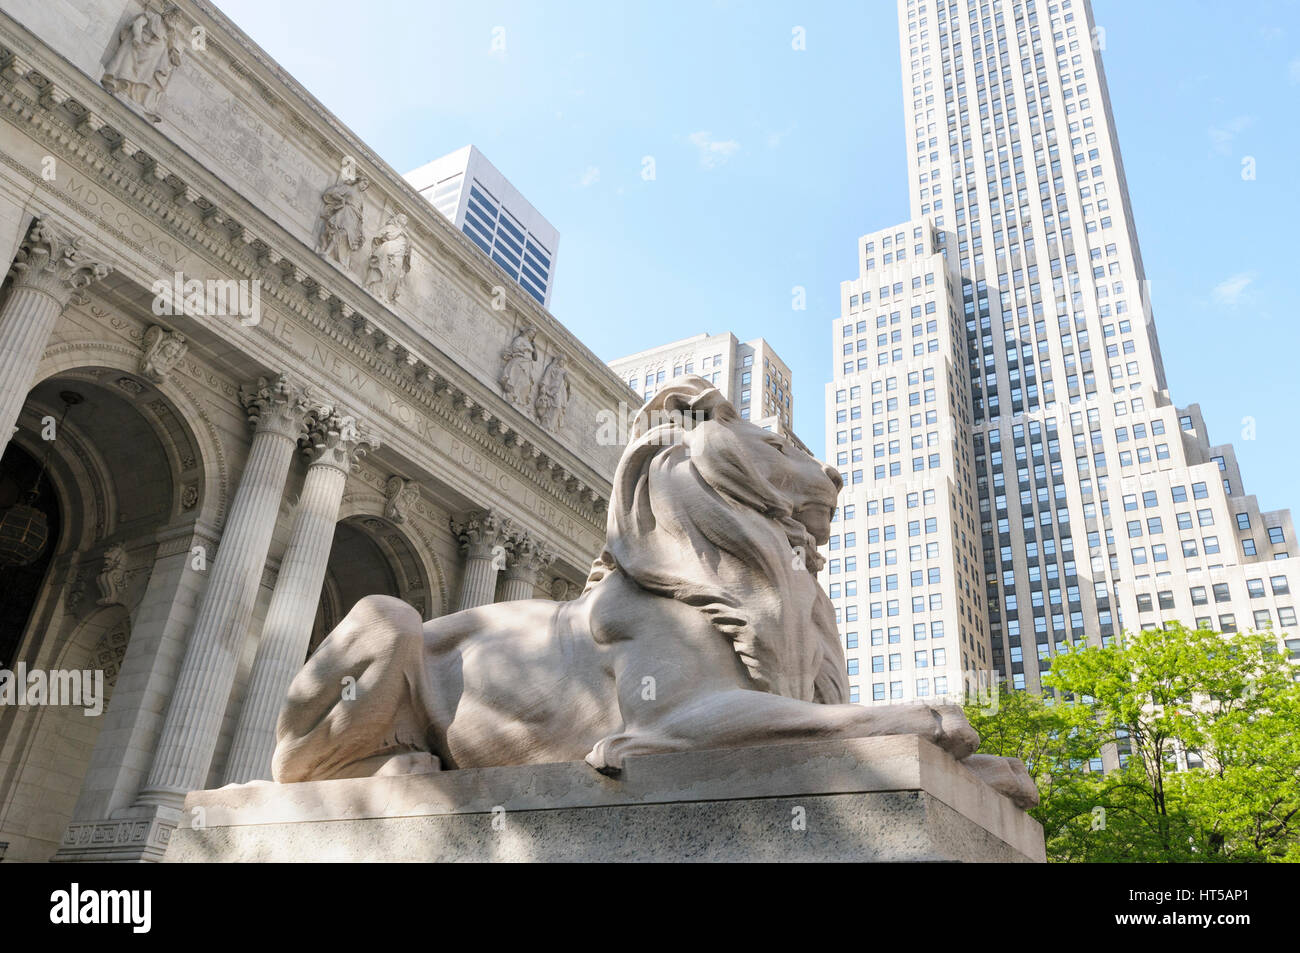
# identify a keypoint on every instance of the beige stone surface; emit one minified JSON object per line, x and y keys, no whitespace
{"x":886,"y":798}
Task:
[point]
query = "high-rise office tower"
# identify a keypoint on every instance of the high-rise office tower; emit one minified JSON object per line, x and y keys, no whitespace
{"x":749,"y":373}
{"x":1017,"y":475}
{"x":480,"y":201}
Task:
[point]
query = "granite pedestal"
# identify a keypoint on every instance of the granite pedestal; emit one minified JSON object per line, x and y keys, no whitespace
{"x":890,"y":799}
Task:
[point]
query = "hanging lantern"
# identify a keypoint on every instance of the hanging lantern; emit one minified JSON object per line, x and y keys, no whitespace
{"x":24,"y":528}
{"x":24,"y":531}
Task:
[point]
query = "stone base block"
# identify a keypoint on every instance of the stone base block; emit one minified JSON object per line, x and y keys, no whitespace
{"x":892,"y":799}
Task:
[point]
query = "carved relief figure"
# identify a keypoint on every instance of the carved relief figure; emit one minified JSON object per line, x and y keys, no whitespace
{"x":400,"y":495}
{"x":149,"y":49}
{"x":112,"y":578}
{"x":340,"y":232}
{"x":517,"y":375}
{"x":390,"y":260}
{"x":553,"y":393}
{"x":706,"y":590}
{"x":163,"y":350}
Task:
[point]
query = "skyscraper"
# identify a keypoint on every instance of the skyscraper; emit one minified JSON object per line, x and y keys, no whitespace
{"x":749,"y":373}
{"x":1017,"y":475}
{"x":469,"y":190}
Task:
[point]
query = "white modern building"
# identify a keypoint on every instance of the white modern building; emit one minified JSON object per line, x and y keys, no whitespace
{"x":749,"y":374}
{"x":1017,"y":475}
{"x":467,"y":188}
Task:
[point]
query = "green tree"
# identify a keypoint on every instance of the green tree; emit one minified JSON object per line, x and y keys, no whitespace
{"x":1225,"y":703}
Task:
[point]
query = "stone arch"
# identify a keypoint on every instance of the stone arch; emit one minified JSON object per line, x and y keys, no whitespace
{"x":183,"y":412}
{"x":373,"y":555}
{"x":360,"y":501}
{"x":59,"y":738}
{"x":120,"y":466}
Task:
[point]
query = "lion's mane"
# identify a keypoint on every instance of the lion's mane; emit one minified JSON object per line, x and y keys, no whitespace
{"x":717,"y":535}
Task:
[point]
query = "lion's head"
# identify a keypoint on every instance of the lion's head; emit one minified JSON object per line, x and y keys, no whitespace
{"x":716,"y":512}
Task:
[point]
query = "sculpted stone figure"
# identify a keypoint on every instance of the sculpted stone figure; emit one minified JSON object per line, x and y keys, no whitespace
{"x":517,"y":373}
{"x":341,"y":220}
{"x":553,"y":393}
{"x":702,"y":625}
{"x":163,"y":350}
{"x":112,"y":578}
{"x":399,"y":496}
{"x":149,"y":49}
{"x":390,"y":260}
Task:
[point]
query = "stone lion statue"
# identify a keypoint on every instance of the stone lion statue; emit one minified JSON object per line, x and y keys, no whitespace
{"x":702,"y":625}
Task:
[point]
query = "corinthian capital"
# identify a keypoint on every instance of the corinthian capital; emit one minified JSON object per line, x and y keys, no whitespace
{"x":483,"y":533}
{"x":275,"y":405}
{"x":57,"y":262}
{"x":528,"y":556}
{"x":335,"y":439}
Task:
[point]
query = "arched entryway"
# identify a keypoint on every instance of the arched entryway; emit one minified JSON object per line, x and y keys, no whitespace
{"x":370,"y":556}
{"x":121,"y":470}
{"x":29,"y":517}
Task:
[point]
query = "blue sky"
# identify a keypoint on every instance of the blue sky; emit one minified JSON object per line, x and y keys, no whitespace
{"x":771,"y":161}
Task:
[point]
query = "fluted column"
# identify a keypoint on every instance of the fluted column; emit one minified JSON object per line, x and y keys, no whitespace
{"x":198,"y":703}
{"x":483,"y":536}
{"x":333,"y":443}
{"x":52,"y":269}
{"x":526,"y":557}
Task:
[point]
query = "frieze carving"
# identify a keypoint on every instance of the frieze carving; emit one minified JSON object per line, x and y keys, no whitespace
{"x":399,"y":497}
{"x":163,"y":350}
{"x":148,"y":52}
{"x":517,"y":372}
{"x":390,"y":260}
{"x":553,"y":393}
{"x":237,"y":245}
{"x":112,"y":578}
{"x":340,"y":230}
{"x":562,"y":590}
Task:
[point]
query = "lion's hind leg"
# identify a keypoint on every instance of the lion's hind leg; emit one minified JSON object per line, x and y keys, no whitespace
{"x":359,"y":707}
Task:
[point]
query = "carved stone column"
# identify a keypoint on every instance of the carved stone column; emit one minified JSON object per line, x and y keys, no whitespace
{"x":483,"y":536}
{"x":526,"y":559}
{"x":333,"y":443}
{"x":51,"y":270}
{"x":198,"y":703}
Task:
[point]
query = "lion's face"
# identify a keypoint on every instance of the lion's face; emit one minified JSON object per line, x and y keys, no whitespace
{"x":764,"y":470}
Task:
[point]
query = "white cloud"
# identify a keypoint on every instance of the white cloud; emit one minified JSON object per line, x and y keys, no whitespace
{"x":1229,"y":290}
{"x":1222,"y":136}
{"x":713,"y":152}
{"x":590,"y":177}
{"x":1293,"y":71}
{"x":774,"y":139}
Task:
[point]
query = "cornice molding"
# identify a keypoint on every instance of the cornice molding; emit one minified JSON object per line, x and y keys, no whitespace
{"x":299,"y":281}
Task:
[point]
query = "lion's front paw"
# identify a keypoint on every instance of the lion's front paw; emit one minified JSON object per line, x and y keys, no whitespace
{"x":606,"y":756}
{"x":1007,"y":776}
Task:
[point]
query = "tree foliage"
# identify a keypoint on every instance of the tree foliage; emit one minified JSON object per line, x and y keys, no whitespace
{"x":1157,"y":701}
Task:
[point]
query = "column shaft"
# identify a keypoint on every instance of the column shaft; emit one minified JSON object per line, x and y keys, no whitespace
{"x":287,"y":630}
{"x":25,"y":325}
{"x":198,"y":702}
{"x":479,"y":587}
{"x":51,"y":269}
{"x":517,"y":587}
